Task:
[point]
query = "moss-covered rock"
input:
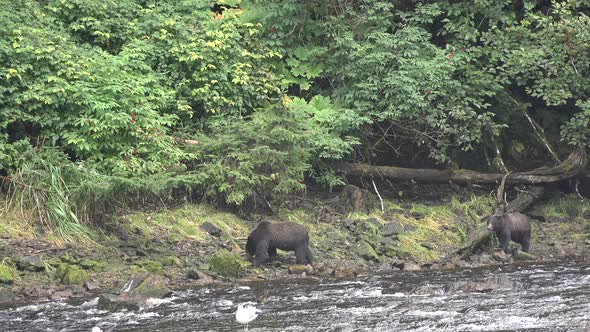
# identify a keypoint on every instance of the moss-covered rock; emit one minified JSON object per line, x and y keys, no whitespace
{"x":67,"y":258}
{"x":150,"y":266}
{"x":90,"y":264}
{"x":364,"y":250}
{"x":74,"y":275}
{"x":7,"y":274}
{"x":151,"y":286}
{"x":225,"y":264}
{"x":171,"y":261}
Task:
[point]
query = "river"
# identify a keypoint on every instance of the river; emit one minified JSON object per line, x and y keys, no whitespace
{"x":546,"y":297}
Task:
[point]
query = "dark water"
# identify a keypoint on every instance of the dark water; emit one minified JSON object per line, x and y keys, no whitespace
{"x":551,"y":297}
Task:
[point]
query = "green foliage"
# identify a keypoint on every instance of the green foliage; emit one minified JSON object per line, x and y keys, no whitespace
{"x":269,"y":152}
{"x":120,"y":87}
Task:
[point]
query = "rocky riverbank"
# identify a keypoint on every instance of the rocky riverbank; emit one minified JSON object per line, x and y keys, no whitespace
{"x":195,"y":245}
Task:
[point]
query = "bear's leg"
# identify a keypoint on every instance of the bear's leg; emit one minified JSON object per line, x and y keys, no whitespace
{"x":525,"y":244}
{"x":301,"y":254}
{"x":308,"y":255}
{"x":504,"y":240}
{"x":261,"y":255}
{"x":272,"y":253}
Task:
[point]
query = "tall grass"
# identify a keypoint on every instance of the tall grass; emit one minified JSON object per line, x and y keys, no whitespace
{"x":65,"y":199}
{"x":41,"y":191}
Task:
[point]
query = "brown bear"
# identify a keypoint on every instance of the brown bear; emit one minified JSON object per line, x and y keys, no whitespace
{"x":511,"y":226}
{"x":267,"y":237}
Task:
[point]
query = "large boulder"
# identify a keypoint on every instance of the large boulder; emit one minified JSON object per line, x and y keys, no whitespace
{"x":135,"y":293}
{"x":211,"y":228}
{"x":33,"y":263}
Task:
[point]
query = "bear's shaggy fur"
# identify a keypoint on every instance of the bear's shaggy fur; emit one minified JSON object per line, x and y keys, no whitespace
{"x":267,"y":237}
{"x":511,"y":226}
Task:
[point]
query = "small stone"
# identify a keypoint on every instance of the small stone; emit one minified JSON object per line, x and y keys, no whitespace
{"x":91,"y":286}
{"x":417,"y":215}
{"x":194,"y":274}
{"x":211,"y":228}
{"x":300,"y":269}
{"x":410,"y":266}
{"x":500,"y":256}
{"x":428,"y":246}
{"x":61,"y":295}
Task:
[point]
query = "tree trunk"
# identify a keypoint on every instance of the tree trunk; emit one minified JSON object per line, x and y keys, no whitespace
{"x":571,"y":167}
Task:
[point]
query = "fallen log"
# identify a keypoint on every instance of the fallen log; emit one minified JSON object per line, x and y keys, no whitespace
{"x":570,"y":168}
{"x":523,"y":200}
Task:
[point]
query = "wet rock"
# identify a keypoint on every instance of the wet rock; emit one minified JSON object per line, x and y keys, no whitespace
{"x":523,"y":256}
{"x":151,"y":286}
{"x":428,"y":289}
{"x":30,"y":263}
{"x":410,"y":266}
{"x":7,"y":297}
{"x":300,"y":269}
{"x":7,"y":274}
{"x":195,"y":274}
{"x":91,"y":286}
{"x":112,"y":302}
{"x":500,"y":256}
{"x":61,"y":295}
{"x":225,"y":264}
{"x":343,"y":272}
{"x":365,"y":251}
{"x":211,"y":228}
{"x":487,"y":285}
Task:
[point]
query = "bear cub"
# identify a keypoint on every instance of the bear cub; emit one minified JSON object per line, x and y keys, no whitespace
{"x":511,"y":226}
{"x":267,"y":237}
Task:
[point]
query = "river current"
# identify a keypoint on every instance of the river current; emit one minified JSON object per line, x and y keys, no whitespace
{"x":546,"y":297}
